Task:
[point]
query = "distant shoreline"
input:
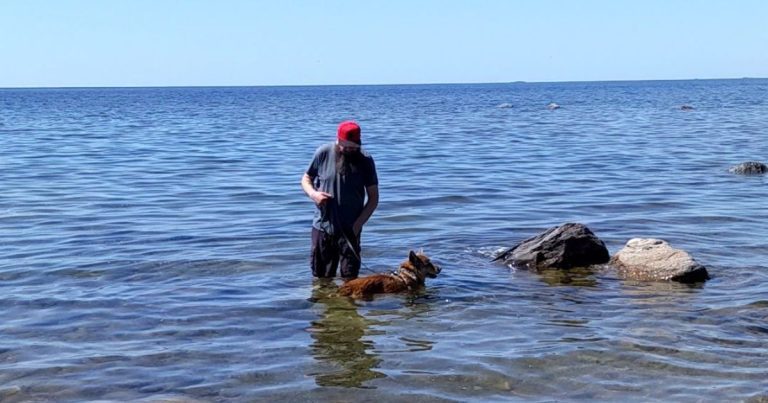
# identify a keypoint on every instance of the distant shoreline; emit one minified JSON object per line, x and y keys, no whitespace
{"x":375,"y":85}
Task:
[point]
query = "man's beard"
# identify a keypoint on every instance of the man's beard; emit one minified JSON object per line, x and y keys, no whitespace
{"x":346,"y":161}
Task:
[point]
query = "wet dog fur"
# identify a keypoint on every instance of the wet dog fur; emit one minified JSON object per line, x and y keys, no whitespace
{"x":409,"y":276}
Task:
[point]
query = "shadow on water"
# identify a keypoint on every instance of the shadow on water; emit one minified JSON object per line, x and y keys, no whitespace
{"x":338,"y":340}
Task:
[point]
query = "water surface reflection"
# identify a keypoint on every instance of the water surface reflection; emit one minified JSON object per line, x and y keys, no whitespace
{"x":338,"y":340}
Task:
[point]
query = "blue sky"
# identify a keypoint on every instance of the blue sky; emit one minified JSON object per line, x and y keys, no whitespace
{"x":56,"y":43}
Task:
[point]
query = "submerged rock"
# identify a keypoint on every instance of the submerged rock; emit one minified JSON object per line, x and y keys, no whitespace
{"x":749,"y":168}
{"x":758,"y":399}
{"x":686,"y":108}
{"x":649,"y":259}
{"x":563,"y":247}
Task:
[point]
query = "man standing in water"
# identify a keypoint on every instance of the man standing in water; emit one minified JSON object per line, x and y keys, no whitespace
{"x":342,"y":181}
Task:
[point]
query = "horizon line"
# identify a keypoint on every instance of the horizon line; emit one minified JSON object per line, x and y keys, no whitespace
{"x":372,"y":84}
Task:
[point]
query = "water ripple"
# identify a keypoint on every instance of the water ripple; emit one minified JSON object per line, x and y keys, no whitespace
{"x":156,"y":244}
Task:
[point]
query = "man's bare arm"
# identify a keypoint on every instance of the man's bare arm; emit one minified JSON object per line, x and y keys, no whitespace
{"x":370,"y":206}
{"x":318,"y":197}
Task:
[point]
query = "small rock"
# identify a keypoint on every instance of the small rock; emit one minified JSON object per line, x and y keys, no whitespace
{"x":758,"y":399}
{"x":9,"y":391}
{"x":504,"y":106}
{"x":686,"y":108}
{"x":552,"y":106}
{"x":749,"y":168}
{"x":649,"y":259}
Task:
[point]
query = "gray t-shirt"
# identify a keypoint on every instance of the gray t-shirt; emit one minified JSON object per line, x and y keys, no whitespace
{"x":348,"y":190}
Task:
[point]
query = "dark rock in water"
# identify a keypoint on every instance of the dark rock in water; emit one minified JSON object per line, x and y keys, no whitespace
{"x":686,"y":108}
{"x":552,"y":106}
{"x":569,"y":245}
{"x":749,"y":168}
{"x":655,"y":260}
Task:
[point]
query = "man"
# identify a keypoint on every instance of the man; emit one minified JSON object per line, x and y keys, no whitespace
{"x":342,"y":181}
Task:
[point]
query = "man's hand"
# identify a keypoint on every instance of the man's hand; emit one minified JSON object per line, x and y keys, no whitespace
{"x":320,"y":197}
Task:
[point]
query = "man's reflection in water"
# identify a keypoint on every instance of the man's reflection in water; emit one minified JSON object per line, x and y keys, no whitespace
{"x":338,"y":343}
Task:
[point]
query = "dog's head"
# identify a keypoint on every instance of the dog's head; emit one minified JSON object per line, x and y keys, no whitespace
{"x":422,"y":263}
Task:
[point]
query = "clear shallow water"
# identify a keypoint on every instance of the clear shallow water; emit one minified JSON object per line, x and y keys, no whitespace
{"x":155,"y":243}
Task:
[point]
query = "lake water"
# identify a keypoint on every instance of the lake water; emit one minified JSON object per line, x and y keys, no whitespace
{"x":155,"y":244}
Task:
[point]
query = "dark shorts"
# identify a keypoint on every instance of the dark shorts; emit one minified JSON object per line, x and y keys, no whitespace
{"x":332,"y":251}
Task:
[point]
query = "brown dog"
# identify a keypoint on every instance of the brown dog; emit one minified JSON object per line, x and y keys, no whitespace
{"x":409,"y":276}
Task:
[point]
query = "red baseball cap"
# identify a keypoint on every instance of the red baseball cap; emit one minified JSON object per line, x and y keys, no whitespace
{"x":349,"y":131}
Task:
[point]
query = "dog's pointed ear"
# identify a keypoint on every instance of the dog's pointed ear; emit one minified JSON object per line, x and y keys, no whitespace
{"x":412,"y":257}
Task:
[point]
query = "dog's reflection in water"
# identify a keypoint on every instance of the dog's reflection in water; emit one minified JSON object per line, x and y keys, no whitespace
{"x":338,"y":343}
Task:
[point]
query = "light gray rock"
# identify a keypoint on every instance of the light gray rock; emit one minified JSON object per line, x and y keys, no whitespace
{"x":563,"y":247}
{"x":749,"y":168}
{"x":552,"y":106}
{"x":505,"y":105}
{"x":649,"y":259}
